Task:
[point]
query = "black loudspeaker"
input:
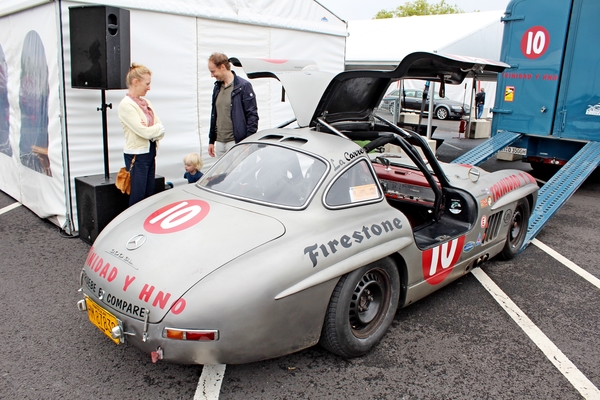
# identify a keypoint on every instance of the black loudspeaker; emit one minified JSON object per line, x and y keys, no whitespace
{"x":99,"y":202}
{"x":100,"y":48}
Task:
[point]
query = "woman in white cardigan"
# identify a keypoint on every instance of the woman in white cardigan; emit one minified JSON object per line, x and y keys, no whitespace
{"x":143,"y":130}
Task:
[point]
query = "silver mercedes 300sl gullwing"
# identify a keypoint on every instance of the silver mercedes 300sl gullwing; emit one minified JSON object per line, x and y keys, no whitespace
{"x":308,"y":235}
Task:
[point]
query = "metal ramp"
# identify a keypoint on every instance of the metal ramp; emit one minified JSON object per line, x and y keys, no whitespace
{"x":488,"y":148}
{"x":555,"y":193}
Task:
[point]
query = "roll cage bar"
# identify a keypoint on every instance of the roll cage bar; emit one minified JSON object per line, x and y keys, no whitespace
{"x":407,"y":140}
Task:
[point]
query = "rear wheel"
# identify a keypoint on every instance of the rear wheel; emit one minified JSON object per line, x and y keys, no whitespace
{"x":516,"y":231}
{"x":441,"y":113}
{"x":361,"y":309}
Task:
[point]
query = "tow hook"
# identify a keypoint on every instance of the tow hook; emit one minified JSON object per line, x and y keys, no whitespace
{"x":81,"y":306}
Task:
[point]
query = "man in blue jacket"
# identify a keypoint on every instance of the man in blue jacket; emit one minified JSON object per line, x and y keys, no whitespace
{"x":234,"y":114}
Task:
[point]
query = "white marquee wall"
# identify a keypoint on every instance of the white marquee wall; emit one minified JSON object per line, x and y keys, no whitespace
{"x":174,"y":39}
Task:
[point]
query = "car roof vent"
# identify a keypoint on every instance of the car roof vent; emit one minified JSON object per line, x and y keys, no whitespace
{"x":295,"y":140}
{"x":271,"y":138}
{"x":290,"y":140}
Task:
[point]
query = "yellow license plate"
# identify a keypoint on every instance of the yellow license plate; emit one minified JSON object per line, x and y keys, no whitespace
{"x":104,"y":320}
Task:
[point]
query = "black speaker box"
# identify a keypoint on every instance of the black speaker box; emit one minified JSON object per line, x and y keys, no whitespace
{"x":100,"y":48}
{"x":99,"y":202}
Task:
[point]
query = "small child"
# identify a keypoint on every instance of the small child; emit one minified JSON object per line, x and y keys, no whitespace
{"x":193,"y":164}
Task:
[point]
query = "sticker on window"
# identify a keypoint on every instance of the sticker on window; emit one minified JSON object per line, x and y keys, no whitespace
{"x":363,"y":192}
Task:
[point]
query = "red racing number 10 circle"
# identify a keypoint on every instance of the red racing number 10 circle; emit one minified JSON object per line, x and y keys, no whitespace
{"x":176,"y":216}
{"x":535,"y":42}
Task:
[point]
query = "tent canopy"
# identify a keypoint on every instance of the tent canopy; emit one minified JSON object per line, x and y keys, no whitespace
{"x":383,"y":43}
{"x":305,"y":15}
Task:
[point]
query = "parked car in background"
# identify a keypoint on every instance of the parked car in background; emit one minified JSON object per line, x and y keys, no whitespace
{"x":444,"y":107}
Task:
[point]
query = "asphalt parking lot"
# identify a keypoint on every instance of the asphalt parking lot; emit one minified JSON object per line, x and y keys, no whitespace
{"x":537,"y":339}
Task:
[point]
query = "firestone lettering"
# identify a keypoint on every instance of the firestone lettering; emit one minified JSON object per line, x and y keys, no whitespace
{"x":332,"y":246}
{"x":509,"y":184}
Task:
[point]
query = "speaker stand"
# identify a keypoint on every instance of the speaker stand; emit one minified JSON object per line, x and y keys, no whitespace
{"x":103,"y":108}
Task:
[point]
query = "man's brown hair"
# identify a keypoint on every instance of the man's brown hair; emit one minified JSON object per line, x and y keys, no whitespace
{"x":220,"y":59}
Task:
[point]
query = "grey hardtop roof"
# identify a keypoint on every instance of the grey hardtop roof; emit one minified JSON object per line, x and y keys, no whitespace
{"x":352,"y":95}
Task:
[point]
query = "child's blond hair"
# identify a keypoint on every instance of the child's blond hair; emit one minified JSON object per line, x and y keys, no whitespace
{"x":193,"y":159}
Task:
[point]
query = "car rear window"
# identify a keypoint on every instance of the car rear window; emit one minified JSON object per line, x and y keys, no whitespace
{"x":355,"y":185}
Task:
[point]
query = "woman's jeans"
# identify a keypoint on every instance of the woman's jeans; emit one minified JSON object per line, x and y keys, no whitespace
{"x":142,"y":174}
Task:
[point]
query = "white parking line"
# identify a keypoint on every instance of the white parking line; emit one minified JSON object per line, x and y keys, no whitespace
{"x":568,"y":263}
{"x":448,"y":144}
{"x":583,"y":385}
{"x":210,"y":382}
{"x":8,"y":208}
{"x":209,"y":385}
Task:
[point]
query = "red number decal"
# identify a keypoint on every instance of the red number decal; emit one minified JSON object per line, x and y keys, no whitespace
{"x":439,"y":261}
{"x":535,"y":41}
{"x":176,"y":216}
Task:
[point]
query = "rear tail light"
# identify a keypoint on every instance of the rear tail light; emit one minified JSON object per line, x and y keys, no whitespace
{"x":191,"y":334}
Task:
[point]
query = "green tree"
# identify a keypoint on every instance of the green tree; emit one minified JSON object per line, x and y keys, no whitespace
{"x":419,"y":7}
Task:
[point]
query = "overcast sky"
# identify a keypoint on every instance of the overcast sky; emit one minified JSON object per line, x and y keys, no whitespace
{"x":366,"y":9}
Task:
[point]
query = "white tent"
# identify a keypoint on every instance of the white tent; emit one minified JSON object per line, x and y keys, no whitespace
{"x":383,"y":43}
{"x":378,"y":43}
{"x":174,"y":39}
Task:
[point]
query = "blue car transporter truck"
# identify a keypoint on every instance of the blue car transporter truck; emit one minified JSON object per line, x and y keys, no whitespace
{"x":548,"y":102}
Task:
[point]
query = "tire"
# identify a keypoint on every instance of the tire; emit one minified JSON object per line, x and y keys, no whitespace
{"x":442,"y":113}
{"x":361,"y":309}
{"x":516,"y":231}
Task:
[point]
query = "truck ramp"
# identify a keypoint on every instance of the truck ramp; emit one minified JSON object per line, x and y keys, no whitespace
{"x":555,"y":193}
{"x":488,"y":148}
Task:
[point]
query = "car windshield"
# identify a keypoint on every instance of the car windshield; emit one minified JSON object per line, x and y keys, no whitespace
{"x":266,"y":173}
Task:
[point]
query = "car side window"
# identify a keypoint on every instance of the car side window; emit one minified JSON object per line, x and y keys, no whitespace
{"x":355,"y":185}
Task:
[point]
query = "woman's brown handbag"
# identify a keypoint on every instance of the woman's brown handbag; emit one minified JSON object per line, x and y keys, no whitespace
{"x":123,"y":182}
